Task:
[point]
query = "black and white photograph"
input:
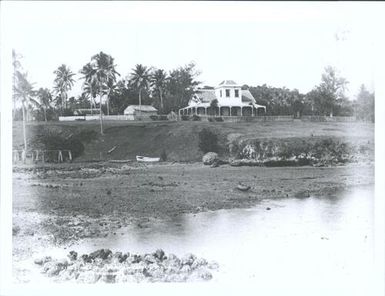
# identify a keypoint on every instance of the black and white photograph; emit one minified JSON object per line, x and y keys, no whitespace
{"x":177,"y":147}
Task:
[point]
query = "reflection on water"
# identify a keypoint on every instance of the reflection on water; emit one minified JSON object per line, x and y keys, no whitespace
{"x":313,"y":238}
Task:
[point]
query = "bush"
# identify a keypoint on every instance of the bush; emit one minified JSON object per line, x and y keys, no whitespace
{"x":219,"y":119}
{"x":162,"y":117}
{"x":154,"y":117}
{"x":196,"y":118}
{"x":208,"y":141}
{"x":210,"y":119}
{"x":185,"y":117}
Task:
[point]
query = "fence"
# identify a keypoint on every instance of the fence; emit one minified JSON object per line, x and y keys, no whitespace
{"x":43,"y":156}
{"x":328,"y":118}
{"x":236,"y":118}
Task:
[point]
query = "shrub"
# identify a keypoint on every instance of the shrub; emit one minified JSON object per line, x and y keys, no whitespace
{"x":196,"y":117}
{"x":211,"y":119}
{"x":208,"y":141}
{"x":162,"y":117}
{"x":154,"y":117}
{"x":219,"y":119}
{"x":163,"y":155}
{"x":185,"y":117}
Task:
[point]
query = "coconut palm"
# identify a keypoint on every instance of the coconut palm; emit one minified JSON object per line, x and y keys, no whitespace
{"x":140,"y":78}
{"x":100,"y":77}
{"x":105,"y":75}
{"x":158,"y":82}
{"x":16,"y":68}
{"x":23,"y":92}
{"x":45,"y":100}
{"x":63,"y":83}
{"x":90,"y":91}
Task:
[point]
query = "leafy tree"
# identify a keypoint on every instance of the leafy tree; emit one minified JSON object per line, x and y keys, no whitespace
{"x":181,"y":86}
{"x":23,"y":92}
{"x":140,"y":78}
{"x":63,"y":83}
{"x":364,"y":105}
{"x":329,"y":93}
{"x":158,"y":83}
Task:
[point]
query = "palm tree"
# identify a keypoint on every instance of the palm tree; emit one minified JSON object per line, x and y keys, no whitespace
{"x":100,"y":74}
{"x":45,"y":99}
{"x":140,"y":78}
{"x":105,"y":75}
{"x":16,"y":68}
{"x":23,"y":92}
{"x":90,"y":91}
{"x":158,"y":82}
{"x":63,"y":83}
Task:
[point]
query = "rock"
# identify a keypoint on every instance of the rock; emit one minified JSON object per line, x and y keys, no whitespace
{"x":209,"y":158}
{"x":302,"y":194}
{"x":102,"y":253}
{"x":159,"y":254}
{"x":53,"y":268}
{"x":213,"y":265}
{"x":198,"y":263}
{"x":149,"y":258}
{"x":15,"y":230}
{"x":188,"y":259}
{"x":72,"y":255}
{"x":185,"y":269}
{"x":242,"y":187}
{"x":205,"y":275}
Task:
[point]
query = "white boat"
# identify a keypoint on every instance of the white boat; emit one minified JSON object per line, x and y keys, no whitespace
{"x":147,"y":159}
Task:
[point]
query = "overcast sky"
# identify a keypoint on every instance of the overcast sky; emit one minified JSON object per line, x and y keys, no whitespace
{"x":278,"y":44}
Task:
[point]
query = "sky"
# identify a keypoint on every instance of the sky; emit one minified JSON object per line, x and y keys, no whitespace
{"x":278,"y":44}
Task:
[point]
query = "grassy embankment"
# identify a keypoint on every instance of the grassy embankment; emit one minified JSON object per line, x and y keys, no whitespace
{"x":180,"y":140}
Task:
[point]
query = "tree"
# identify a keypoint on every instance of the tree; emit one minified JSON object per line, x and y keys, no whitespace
{"x":213,"y":106}
{"x":23,"y":92}
{"x":140,"y":78}
{"x":365,"y":103}
{"x":45,"y":100}
{"x":329,"y":93}
{"x":100,"y":77}
{"x":181,"y":86}
{"x":16,"y":68}
{"x":158,"y":82}
{"x":63,"y":83}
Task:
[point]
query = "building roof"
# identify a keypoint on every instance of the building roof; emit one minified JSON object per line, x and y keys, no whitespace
{"x":228,"y":83}
{"x":247,"y":96}
{"x":205,"y":95}
{"x":143,"y":108}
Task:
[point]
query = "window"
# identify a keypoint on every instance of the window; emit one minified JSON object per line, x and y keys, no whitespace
{"x":227,"y":93}
{"x":220,"y":93}
{"x":237,"y":93}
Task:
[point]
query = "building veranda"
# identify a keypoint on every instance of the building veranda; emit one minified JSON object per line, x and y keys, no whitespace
{"x":227,"y":99}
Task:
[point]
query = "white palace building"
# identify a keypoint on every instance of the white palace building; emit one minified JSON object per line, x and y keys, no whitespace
{"x":232,"y":100}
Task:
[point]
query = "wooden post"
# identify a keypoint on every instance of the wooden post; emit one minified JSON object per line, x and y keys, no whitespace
{"x":23,"y":155}
{"x":37,"y":155}
{"x":60,"y":156}
{"x":43,"y":158}
{"x":70,"y":155}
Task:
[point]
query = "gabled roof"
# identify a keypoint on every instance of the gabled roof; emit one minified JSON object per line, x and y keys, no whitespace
{"x":205,"y":95}
{"x":144,"y":108}
{"x":247,"y":96}
{"x":228,"y":82}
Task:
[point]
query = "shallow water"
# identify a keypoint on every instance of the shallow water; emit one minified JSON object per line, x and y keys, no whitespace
{"x":313,"y":238}
{"x":321,"y":240}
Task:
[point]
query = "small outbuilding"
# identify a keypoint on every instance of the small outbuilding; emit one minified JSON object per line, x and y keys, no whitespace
{"x":136,"y":112}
